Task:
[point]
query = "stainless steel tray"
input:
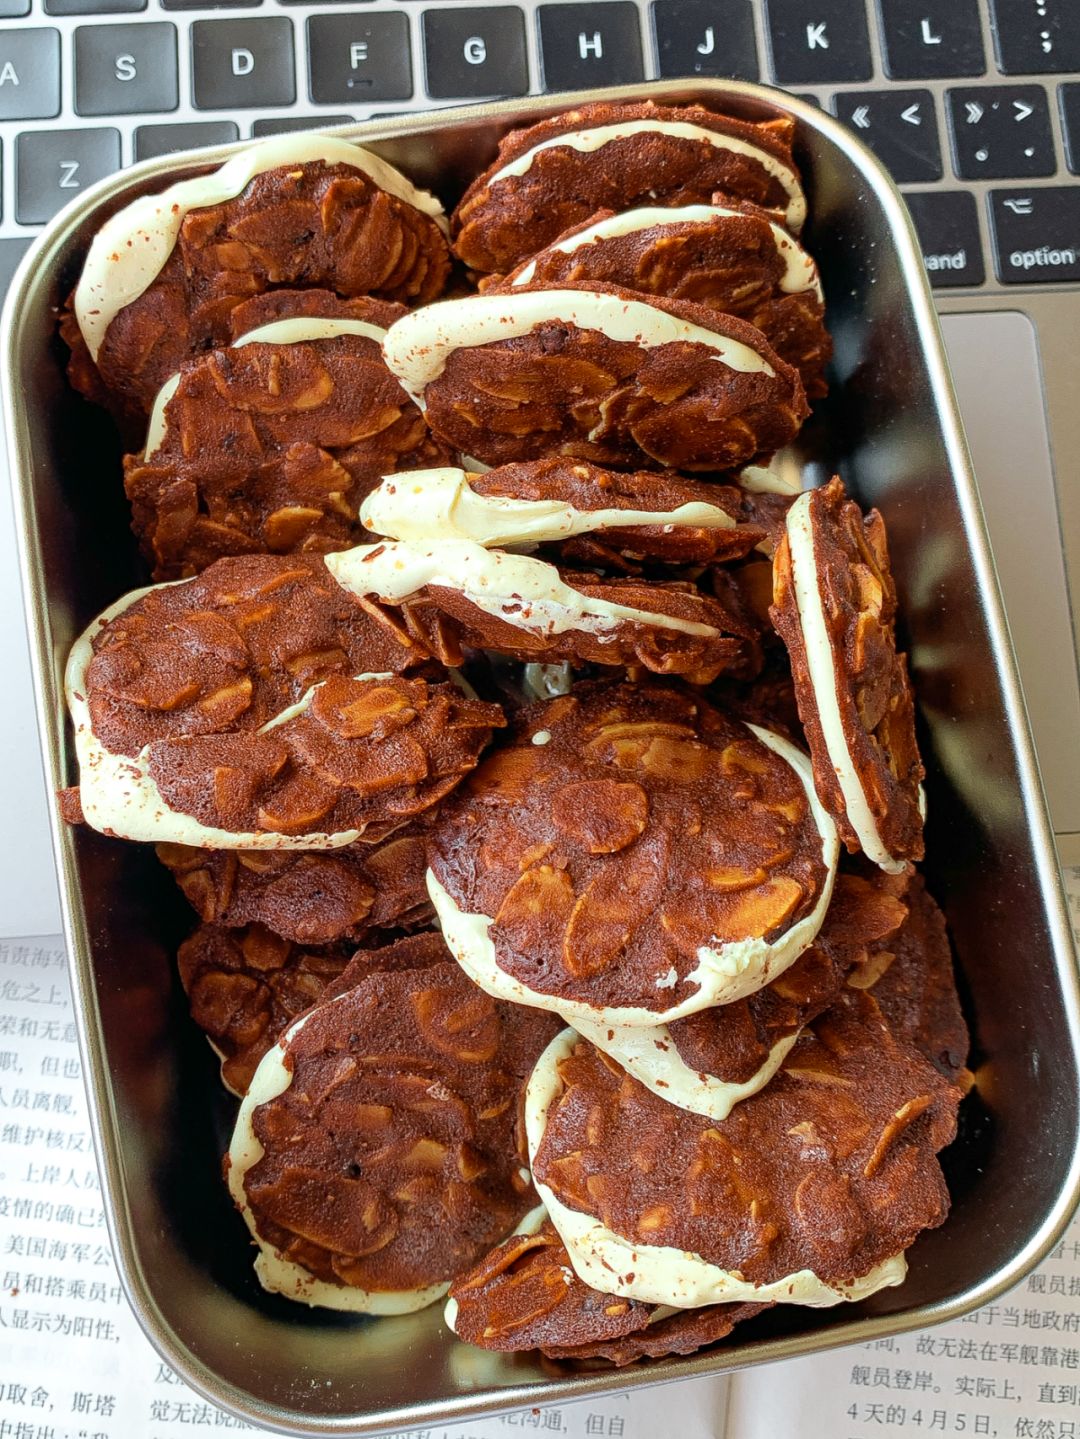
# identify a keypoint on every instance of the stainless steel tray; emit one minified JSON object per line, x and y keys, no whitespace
{"x":891,"y":428}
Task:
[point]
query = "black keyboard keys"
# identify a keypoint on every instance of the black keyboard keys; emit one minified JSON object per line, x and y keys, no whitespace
{"x":948,"y":228}
{"x":586,"y":45}
{"x":125,"y":69}
{"x":1036,"y":37}
{"x":290,"y":124}
{"x":92,"y":7}
{"x":1070,"y":124}
{"x":1036,"y":234}
{"x":1001,"y":132}
{"x":154,"y":140}
{"x":11,"y":9}
{"x":472,"y":53}
{"x":705,"y":37}
{"x":52,"y":166}
{"x":236,"y":64}
{"x":899,"y":126}
{"x":932,"y":39}
{"x":814,"y":42}
{"x":29,"y":74}
{"x":11,"y":253}
{"x":358,"y":58}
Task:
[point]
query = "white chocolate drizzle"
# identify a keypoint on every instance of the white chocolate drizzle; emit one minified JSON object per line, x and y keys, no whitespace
{"x":418,"y":345}
{"x":660,"y":1274}
{"x":130,"y":250}
{"x":595,"y":138}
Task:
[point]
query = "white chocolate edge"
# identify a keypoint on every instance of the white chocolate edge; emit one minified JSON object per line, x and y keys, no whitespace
{"x":800,"y":272}
{"x":417,"y":346}
{"x":651,"y":1056}
{"x":297,"y":330}
{"x":660,"y":1274}
{"x":731,"y":972}
{"x":276,"y":1273}
{"x":424,"y":505}
{"x":517,"y":589}
{"x":822,"y":673}
{"x":600,"y":135}
{"x":130,"y":250}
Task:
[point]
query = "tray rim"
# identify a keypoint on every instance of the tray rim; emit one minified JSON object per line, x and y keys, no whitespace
{"x":102,"y":1116}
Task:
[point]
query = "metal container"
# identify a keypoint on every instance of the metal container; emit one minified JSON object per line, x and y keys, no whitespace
{"x":890,"y":427}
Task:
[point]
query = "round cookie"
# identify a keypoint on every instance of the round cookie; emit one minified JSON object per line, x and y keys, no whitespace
{"x":163,"y":273}
{"x":598,"y":373}
{"x":379,"y":1151}
{"x":834,"y":604}
{"x":558,"y":173}
{"x":271,"y":443}
{"x":808,"y":1193}
{"x":732,"y":258}
{"x":261,"y":706}
{"x":631,"y":855}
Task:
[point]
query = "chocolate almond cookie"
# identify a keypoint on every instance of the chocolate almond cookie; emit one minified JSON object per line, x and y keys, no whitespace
{"x":631,"y":855}
{"x":270,"y":444}
{"x":598,"y":373}
{"x":558,"y":173}
{"x":834,"y":604}
{"x":379,"y":1152}
{"x":728,"y":257}
{"x":163,"y":274}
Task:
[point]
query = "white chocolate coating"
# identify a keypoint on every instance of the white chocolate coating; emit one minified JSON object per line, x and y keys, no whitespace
{"x":822,"y":671}
{"x":722,"y":975}
{"x":546,"y":682}
{"x":597,"y":137}
{"x":659,"y":1274}
{"x":276,"y":1273}
{"x":781,"y":476}
{"x":130,"y":250}
{"x":800,"y":272}
{"x":418,"y":345}
{"x":437,"y":504}
{"x":524,"y":592}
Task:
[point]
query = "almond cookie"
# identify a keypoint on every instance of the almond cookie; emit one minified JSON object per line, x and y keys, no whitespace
{"x":808,"y":1193}
{"x":525,"y":1295}
{"x":562,"y":502}
{"x":732,"y":258}
{"x":527,"y":609}
{"x":163,"y":274}
{"x":379,"y":1151}
{"x":632,"y":856}
{"x":601,"y":374}
{"x":314,"y":897}
{"x":834,"y":604}
{"x":558,"y":173}
{"x":261,"y":706}
{"x":271,"y":443}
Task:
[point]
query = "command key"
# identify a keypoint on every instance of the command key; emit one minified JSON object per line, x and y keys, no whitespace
{"x":947,"y":224}
{"x":1036,"y":234}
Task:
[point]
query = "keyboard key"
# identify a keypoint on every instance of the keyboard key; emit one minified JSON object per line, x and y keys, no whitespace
{"x":472,"y":53}
{"x":1036,"y":37}
{"x":11,"y":9}
{"x":125,"y":69}
{"x":11,"y":253}
{"x":1001,"y":132}
{"x":236,"y":64}
{"x":93,"y":7}
{"x":1070,"y":124}
{"x":585,"y":45}
{"x":287,"y":125}
{"x":947,"y":223}
{"x":1036,"y":234}
{"x":53,"y":166}
{"x":705,"y":37}
{"x":154,"y":140}
{"x":814,"y":42}
{"x":206,"y":4}
{"x":899,"y":126}
{"x":931,"y":39}
{"x":359,"y":58}
{"x":29,"y":74}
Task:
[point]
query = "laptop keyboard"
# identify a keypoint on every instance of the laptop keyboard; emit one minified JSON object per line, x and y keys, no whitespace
{"x":973,"y":105}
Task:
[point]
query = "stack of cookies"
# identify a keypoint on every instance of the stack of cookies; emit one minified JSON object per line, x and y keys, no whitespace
{"x":538,"y":759}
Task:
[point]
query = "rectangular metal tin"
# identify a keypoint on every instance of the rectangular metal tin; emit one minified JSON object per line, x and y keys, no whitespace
{"x":159,"y":1118}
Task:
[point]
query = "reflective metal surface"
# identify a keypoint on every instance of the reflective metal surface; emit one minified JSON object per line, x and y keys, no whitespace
{"x":890,"y":427}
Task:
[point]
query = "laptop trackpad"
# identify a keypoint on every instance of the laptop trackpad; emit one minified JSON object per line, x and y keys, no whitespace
{"x":1002,"y":407}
